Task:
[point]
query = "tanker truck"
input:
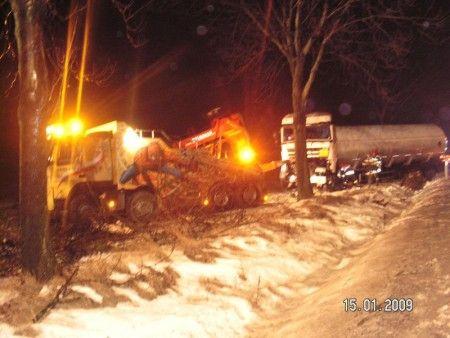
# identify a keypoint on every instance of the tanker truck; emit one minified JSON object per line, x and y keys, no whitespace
{"x":340,"y":156}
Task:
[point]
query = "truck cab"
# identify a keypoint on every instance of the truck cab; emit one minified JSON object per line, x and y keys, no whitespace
{"x":319,"y":134}
{"x":84,"y":172}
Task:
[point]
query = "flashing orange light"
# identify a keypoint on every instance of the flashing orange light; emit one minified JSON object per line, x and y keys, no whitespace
{"x":205,"y":202}
{"x":59,"y":130}
{"x":247,"y":155}
{"x":75,"y":126}
{"x":266,"y":198}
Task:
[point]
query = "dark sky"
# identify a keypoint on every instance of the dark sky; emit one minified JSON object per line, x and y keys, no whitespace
{"x":175,"y":94}
{"x":176,"y":77}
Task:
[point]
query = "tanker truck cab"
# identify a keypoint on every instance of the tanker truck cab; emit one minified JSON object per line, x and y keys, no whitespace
{"x":83,"y":175}
{"x":319,"y":134}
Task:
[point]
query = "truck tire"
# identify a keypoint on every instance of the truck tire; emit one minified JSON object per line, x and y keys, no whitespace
{"x":81,"y":210}
{"x":249,"y":195}
{"x":141,"y":206}
{"x":221,"y":196}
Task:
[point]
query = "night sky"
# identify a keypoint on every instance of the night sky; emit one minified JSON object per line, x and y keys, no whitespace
{"x":176,"y":77}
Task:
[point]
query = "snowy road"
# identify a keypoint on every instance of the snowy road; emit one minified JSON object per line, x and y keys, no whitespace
{"x":285,"y":272}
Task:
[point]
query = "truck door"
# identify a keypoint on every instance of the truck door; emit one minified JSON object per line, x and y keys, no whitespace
{"x":97,"y":158}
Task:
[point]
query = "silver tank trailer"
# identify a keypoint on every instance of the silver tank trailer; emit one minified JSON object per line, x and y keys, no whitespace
{"x":395,"y":144}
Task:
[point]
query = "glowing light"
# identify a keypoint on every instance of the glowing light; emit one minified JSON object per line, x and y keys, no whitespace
{"x":75,"y":126}
{"x":55,"y":131}
{"x":58,"y":130}
{"x":132,"y":142}
{"x":205,"y":202}
{"x":111,"y":204}
{"x":247,"y":155}
{"x":49,"y":131}
{"x":266,"y":198}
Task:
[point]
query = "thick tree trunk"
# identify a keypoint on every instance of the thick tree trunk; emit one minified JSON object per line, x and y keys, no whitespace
{"x":304,"y":189}
{"x":33,"y":117}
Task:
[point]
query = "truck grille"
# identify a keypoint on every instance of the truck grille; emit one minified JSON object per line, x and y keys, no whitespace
{"x":313,"y":153}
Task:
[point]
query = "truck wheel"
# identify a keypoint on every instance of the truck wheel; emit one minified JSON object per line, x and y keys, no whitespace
{"x":81,"y":210}
{"x":141,"y":206}
{"x":221,"y":197}
{"x":249,"y":195}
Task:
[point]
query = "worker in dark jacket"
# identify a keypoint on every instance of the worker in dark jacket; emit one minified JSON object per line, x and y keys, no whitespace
{"x":155,"y":157}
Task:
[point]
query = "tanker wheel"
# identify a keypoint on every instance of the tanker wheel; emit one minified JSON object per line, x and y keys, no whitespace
{"x":249,"y":195}
{"x":81,"y":210}
{"x":221,"y":197}
{"x":141,"y":206}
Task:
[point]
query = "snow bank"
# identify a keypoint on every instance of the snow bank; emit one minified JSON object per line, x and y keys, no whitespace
{"x":258,"y":266}
{"x":408,"y":261}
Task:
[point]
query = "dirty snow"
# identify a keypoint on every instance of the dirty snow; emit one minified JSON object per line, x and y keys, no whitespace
{"x":280,"y":254}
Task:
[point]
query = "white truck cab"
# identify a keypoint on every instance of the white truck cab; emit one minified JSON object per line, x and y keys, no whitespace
{"x":84,"y":172}
{"x":318,"y":140}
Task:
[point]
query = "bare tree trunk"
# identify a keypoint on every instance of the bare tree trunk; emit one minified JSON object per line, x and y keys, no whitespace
{"x":304,"y":189}
{"x":33,"y":116}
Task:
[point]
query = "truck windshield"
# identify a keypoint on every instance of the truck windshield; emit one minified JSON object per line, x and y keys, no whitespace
{"x":288,"y":134}
{"x":318,"y":131}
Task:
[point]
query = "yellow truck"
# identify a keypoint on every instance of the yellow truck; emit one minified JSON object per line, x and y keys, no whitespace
{"x":85,"y":168}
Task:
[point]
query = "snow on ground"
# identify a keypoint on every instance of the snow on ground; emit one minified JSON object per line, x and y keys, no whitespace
{"x":410,"y":260}
{"x":250,"y":270}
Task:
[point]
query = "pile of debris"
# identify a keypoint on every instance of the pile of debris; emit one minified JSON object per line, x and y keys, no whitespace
{"x":201,"y":179}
